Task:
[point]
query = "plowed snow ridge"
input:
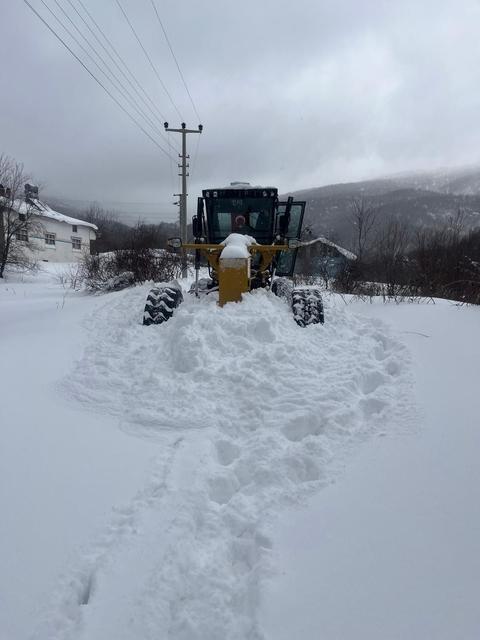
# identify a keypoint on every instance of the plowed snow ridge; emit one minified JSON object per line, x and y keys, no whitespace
{"x":252,"y":413}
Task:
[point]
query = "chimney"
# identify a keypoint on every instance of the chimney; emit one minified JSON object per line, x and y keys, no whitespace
{"x":31,"y":192}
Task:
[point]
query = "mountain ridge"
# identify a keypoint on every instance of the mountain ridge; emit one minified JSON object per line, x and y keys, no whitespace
{"x":420,"y":199}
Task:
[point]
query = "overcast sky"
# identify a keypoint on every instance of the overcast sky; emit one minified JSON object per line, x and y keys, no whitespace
{"x":295,"y":94}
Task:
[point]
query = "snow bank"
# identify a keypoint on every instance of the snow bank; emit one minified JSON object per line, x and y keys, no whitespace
{"x":249,"y":412}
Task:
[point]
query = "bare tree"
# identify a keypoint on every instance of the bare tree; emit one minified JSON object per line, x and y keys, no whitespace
{"x":363,"y":217}
{"x":446,"y":260}
{"x":98,"y":215}
{"x":17,"y":217}
{"x":111,"y":233}
{"x":390,"y":255}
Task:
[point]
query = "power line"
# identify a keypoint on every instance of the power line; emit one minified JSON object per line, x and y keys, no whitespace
{"x":117,"y":202}
{"x":172,"y":180}
{"x":113,"y":60}
{"x":133,"y":79}
{"x":154,"y":68}
{"x":75,"y":39}
{"x":195,"y":154}
{"x":119,"y":86}
{"x":90,"y":73}
{"x":109,"y":42}
{"x":175,"y":58}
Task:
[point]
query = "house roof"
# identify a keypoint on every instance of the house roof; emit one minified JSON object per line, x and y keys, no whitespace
{"x":348,"y":254}
{"x":48,"y":212}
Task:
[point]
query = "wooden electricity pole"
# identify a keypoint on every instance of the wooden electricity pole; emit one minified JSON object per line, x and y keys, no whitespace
{"x":183,"y":196}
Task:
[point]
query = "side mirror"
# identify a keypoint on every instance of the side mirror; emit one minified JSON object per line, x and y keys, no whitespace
{"x":197,"y":227}
{"x":284,"y":220}
{"x":199,"y":208}
{"x":293,"y":243}
{"x":175,"y":243}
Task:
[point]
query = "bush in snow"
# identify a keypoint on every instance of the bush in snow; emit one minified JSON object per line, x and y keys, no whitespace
{"x":122,"y":268}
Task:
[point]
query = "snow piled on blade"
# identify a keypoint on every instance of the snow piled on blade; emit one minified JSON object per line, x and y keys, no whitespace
{"x":236,"y":246}
{"x":250,"y":411}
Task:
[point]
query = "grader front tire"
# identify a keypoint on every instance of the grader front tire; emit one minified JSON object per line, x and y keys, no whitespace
{"x":161,"y":302}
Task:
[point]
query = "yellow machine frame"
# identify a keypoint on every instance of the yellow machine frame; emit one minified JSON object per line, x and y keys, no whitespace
{"x":234,"y":274}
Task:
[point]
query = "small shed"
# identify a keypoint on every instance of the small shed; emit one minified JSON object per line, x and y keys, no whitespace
{"x":324,"y":258}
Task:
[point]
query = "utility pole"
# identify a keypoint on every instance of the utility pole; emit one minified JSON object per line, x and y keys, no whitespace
{"x":183,"y":196}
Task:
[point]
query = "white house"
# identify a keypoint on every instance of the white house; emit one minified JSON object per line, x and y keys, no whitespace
{"x":54,"y":237}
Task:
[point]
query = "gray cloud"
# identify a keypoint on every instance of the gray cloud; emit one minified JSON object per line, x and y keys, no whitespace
{"x":295,"y":94}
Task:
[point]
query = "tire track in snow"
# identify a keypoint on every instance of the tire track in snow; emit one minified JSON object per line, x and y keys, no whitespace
{"x":265,"y":410}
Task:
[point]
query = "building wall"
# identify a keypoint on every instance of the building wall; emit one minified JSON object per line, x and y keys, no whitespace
{"x":62,"y":250}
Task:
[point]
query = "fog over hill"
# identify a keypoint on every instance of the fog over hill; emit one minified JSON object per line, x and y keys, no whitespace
{"x":460,"y":181}
{"x":422,"y":199}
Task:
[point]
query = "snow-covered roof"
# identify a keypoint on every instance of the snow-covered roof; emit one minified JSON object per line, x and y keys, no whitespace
{"x":240,"y":186}
{"x":48,"y":212}
{"x":348,"y":254}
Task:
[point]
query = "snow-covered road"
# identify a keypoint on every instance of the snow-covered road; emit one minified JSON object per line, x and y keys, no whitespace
{"x":144,"y":472}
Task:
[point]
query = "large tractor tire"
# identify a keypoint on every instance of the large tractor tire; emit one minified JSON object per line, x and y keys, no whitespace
{"x":161,"y":302}
{"x":307,"y":306}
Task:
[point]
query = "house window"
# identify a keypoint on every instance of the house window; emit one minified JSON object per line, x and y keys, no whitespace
{"x":22,"y":235}
{"x":50,"y":239}
{"x":22,"y":216}
{"x":77,"y":244}
{"x":74,"y":228}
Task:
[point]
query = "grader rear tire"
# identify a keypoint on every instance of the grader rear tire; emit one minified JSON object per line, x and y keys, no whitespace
{"x":307,"y":306}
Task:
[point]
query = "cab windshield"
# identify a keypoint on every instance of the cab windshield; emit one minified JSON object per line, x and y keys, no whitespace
{"x":249,"y":216}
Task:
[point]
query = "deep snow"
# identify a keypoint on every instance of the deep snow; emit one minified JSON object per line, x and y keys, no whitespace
{"x":165,"y":527}
{"x":392,"y":549}
{"x":61,"y":470}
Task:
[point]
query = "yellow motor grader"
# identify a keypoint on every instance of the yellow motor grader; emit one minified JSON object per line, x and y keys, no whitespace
{"x":249,"y":240}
